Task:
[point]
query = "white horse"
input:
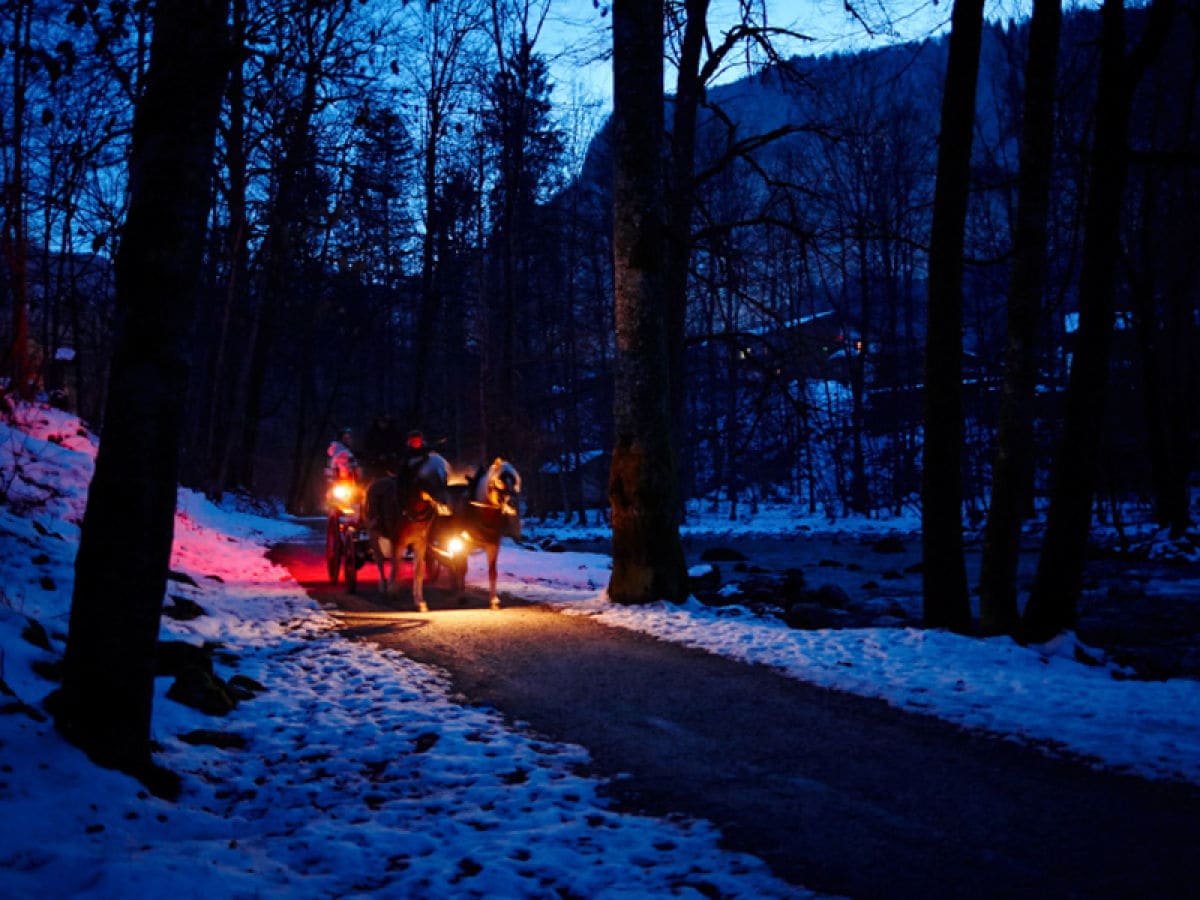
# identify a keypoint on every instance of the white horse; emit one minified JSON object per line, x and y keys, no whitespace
{"x":490,"y":514}
{"x":395,"y":521}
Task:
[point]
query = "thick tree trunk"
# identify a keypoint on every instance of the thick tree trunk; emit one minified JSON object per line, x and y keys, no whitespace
{"x":1012,"y":470}
{"x":1053,"y":603}
{"x":945,"y":578}
{"x":648,"y":560}
{"x":125,"y":544}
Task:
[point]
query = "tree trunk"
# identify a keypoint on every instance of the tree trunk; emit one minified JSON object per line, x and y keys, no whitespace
{"x":1161,"y":292}
{"x":1053,"y":603}
{"x":427,"y":311}
{"x":222,"y":381}
{"x":945,"y":579}
{"x":648,"y":562}
{"x":860,"y":491}
{"x":125,"y":543}
{"x":1012,"y":471}
{"x":16,"y":250}
{"x":689,"y":90}
{"x":1169,"y":489}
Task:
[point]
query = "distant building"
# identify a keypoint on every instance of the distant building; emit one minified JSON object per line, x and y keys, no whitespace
{"x":578,"y":481}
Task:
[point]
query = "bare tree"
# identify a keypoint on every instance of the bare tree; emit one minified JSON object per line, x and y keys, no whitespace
{"x":944,"y":569}
{"x":1164,"y":272}
{"x":444,"y":37}
{"x":1053,"y":602}
{"x":12,"y":239}
{"x":311,"y":50}
{"x":523,"y":145}
{"x":1013,"y":469}
{"x":105,"y":702}
{"x":698,"y":59}
{"x":648,"y":562}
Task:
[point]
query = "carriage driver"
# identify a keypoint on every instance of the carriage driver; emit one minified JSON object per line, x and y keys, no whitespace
{"x":416,"y":451}
{"x":415,"y":448}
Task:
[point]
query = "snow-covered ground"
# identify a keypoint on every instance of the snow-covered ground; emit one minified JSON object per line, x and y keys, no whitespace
{"x":359,"y":775}
{"x":359,"y":772}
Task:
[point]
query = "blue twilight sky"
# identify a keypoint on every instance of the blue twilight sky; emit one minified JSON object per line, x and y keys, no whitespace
{"x":577,"y":34}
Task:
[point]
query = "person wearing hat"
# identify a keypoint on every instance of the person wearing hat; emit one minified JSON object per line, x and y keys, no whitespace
{"x":416,"y":451}
{"x":415,"y":446}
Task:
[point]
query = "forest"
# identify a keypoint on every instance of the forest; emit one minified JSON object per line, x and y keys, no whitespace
{"x":403,"y":221}
{"x":957,"y":275}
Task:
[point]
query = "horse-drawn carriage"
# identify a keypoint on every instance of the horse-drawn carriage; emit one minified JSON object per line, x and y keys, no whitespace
{"x":438,"y":523}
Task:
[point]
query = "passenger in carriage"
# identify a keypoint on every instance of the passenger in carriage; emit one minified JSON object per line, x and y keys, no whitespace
{"x":342,"y":466}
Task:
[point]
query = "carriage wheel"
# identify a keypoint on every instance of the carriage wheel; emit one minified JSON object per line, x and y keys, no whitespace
{"x":333,"y":548}
{"x":433,"y":565}
{"x":351,"y":558}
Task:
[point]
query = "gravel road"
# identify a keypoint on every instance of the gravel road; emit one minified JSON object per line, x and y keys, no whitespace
{"x":837,"y":793}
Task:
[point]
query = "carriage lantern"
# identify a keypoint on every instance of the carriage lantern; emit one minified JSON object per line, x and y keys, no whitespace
{"x":456,"y":545}
{"x":344,"y":496}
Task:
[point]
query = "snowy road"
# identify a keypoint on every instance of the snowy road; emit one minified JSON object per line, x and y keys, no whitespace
{"x":837,"y":793}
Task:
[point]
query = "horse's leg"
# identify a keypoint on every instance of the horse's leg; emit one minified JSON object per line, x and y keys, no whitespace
{"x":387,"y":579}
{"x":493,"y":552}
{"x":419,"y":574}
{"x":377,"y":557}
{"x":394,"y":573}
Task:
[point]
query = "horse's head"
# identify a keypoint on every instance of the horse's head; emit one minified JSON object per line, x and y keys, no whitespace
{"x":500,"y":487}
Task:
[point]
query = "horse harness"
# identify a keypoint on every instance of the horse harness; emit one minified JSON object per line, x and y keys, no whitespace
{"x":415,"y":505}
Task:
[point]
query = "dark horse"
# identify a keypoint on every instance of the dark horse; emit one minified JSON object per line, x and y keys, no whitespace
{"x":487,"y":513}
{"x":397,"y":518}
